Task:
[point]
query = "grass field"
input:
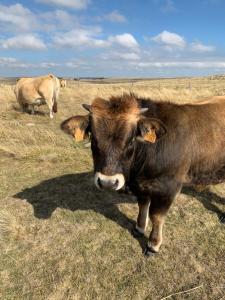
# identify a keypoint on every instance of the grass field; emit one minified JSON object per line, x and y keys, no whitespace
{"x":61,"y":238}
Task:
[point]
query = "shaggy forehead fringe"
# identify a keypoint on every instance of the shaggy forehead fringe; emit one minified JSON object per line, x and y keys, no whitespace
{"x":124,"y":104}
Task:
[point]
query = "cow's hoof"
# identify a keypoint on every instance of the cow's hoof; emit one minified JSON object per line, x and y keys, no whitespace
{"x":136,"y":233}
{"x":149,"y":252}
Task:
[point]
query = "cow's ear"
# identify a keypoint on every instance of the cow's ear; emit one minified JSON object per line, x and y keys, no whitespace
{"x":77,"y":126}
{"x":149,"y":129}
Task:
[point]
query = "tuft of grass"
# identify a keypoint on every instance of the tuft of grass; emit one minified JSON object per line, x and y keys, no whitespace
{"x":9,"y":227}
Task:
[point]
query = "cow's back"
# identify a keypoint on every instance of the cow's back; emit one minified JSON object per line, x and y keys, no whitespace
{"x":208,"y":141}
{"x":194,"y":145}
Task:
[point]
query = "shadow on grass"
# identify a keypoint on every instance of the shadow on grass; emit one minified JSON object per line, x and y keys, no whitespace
{"x":28,"y":111}
{"x":77,"y":192}
{"x":209,"y":200}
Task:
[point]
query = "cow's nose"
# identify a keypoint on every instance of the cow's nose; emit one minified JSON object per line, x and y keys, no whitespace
{"x":108,"y":184}
{"x":114,"y":182}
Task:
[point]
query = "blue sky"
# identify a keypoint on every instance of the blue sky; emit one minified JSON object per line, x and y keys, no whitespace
{"x":120,"y":38}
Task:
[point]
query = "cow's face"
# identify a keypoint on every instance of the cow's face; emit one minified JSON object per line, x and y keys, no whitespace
{"x":114,"y":127}
{"x":62,"y":83}
{"x":112,"y":144}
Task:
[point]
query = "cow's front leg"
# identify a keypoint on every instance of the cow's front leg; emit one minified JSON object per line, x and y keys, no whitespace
{"x":162,"y":192}
{"x":155,"y":238}
{"x":142,"y":220}
{"x":32,"y":109}
{"x":160,"y":204}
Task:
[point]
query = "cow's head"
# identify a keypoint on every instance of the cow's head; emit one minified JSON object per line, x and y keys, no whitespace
{"x":114,"y":127}
{"x":62,"y":83}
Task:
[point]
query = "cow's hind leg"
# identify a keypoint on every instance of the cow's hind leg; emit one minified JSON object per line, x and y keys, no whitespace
{"x":50,"y":103}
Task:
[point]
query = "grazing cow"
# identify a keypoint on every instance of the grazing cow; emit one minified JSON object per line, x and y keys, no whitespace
{"x":62,"y":83}
{"x":38,"y":91}
{"x":155,"y":148}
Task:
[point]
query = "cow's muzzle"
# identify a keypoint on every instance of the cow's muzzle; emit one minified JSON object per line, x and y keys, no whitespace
{"x":114,"y":182}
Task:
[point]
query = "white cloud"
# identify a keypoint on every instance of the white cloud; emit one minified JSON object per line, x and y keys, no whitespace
{"x":115,"y":16}
{"x":123,"y":65}
{"x":89,"y":38}
{"x":168,"y":6}
{"x":76,"y":4}
{"x":183,"y":64}
{"x":71,"y":65}
{"x":169,"y":39}
{"x":47,"y":65}
{"x":16,"y":18}
{"x":125,"y":40}
{"x":11,"y":62}
{"x":7,"y":60}
{"x":23,"y":42}
{"x":128,"y":56}
{"x":199,"y":47}
{"x":56,"y":19}
{"x":80,"y":37}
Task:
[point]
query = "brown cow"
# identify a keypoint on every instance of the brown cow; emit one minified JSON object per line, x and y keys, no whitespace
{"x":155,"y":148}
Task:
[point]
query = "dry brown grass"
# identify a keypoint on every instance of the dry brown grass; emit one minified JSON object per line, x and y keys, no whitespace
{"x":62,"y":239}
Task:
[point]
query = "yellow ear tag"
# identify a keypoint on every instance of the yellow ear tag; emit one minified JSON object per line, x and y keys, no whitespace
{"x":79,"y":135}
{"x":150,"y":136}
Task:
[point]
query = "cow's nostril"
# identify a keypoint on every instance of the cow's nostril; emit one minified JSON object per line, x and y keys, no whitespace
{"x":113,"y":182}
{"x":99,"y":182}
{"x":116,"y":183}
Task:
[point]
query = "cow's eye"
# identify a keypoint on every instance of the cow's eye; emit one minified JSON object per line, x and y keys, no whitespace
{"x":131,"y":141}
{"x":130,"y":149}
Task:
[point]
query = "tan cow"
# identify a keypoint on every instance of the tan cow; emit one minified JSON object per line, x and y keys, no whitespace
{"x":38,"y":91}
{"x":62,"y":83}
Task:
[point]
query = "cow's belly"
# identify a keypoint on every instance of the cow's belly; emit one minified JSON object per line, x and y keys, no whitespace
{"x":208,"y":177}
{"x":31,"y":97}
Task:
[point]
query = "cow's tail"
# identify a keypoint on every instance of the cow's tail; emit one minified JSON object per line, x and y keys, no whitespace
{"x":55,"y":95}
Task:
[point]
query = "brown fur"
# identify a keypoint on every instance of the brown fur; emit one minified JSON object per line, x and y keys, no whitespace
{"x":186,"y":146}
{"x":123,"y":107}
